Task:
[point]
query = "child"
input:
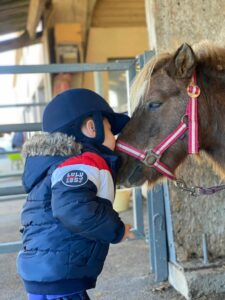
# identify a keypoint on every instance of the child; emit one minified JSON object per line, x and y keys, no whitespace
{"x":68,"y":219}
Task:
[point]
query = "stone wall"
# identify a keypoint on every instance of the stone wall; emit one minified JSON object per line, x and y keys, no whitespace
{"x":173,"y":22}
{"x":170,"y":23}
{"x":195,"y":216}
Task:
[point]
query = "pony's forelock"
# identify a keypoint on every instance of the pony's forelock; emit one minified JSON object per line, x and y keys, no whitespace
{"x":142,"y":81}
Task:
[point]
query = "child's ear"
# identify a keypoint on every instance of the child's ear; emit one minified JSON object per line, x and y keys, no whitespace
{"x":90,"y":129}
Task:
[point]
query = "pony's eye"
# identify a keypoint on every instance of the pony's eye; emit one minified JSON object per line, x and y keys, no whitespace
{"x":154,"y":106}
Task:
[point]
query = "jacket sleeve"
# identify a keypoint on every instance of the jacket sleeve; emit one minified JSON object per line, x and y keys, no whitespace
{"x":81,"y":197}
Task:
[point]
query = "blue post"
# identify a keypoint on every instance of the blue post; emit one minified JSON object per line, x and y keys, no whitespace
{"x":138,"y":214}
{"x":158,"y":240}
{"x":169,"y":224}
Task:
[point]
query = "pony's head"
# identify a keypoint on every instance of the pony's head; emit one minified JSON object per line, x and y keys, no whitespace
{"x":159,"y":93}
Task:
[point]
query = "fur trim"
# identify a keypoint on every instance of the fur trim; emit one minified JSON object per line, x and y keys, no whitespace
{"x":51,"y":144}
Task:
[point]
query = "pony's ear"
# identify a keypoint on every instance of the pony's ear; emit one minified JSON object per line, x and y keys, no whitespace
{"x":183,"y":63}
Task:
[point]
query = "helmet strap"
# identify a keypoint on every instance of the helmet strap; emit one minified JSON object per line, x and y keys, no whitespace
{"x":75,"y":130}
{"x":99,"y":128}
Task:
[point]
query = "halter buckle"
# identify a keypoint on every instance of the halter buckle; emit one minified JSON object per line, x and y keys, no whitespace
{"x":151,"y":158}
{"x":193,"y":91}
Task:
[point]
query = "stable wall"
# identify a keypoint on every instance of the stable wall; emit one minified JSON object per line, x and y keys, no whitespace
{"x":171,"y":23}
{"x":116,"y":42}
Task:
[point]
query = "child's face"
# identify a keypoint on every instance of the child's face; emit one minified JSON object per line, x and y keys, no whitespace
{"x":109,"y":140}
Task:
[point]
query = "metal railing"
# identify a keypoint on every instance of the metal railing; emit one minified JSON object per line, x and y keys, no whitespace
{"x":155,"y":199}
{"x":8,"y":193}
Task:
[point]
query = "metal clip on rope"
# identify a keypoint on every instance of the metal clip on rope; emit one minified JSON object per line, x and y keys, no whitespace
{"x":193,"y":191}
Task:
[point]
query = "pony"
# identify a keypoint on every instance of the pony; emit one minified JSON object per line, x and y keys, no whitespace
{"x":161,"y":93}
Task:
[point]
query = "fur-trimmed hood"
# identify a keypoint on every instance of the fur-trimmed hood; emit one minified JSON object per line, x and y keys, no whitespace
{"x":51,"y":144}
{"x":44,"y":150}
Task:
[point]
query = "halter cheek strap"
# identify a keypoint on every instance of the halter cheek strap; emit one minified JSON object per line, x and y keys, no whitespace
{"x":151,"y":157}
{"x":192,"y":112}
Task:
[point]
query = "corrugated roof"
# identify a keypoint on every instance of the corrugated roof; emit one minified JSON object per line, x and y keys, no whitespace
{"x":13,"y":15}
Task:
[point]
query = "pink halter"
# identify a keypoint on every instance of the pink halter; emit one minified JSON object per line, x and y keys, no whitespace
{"x":152,"y":157}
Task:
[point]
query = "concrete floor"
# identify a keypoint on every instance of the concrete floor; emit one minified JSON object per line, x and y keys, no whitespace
{"x":125,"y":275}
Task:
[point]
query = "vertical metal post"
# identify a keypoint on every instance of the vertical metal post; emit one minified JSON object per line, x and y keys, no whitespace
{"x":141,"y":61}
{"x":138,"y":213}
{"x":150,"y":234}
{"x":98,"y":83}
{"x":169,"y":224}
{"x":137,"y":196}
{"x":148,"y":55}
{"x":144,"y":58}
{"x":130,"y":74}
{"x":159,"y":241}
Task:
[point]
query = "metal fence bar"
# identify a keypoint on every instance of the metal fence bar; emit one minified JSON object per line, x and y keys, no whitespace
{"x":58,"y":68}
{"x":12,"y":190}
{"x":10,"y":247}
{"x":20,"y":127}
{"x":9,"y":152}
{"x":13,"y":198}
{"x":15,"y":105}
{"x":8,"y":175}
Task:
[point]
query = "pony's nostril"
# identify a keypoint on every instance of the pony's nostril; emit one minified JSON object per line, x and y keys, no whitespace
{"x":136,"y":175}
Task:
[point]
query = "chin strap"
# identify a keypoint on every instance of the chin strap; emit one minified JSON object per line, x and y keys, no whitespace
{"x":99,"y":128}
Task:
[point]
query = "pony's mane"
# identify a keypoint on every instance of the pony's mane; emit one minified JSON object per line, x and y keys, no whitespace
{"x":142,"y":81}
{"x":211,"y":54}
{"x":206,"y":52}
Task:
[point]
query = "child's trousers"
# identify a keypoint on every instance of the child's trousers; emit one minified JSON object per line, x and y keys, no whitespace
{"x":78,"y":296}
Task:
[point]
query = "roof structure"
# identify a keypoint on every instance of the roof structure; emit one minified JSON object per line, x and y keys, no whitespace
{"x":21,"y":17}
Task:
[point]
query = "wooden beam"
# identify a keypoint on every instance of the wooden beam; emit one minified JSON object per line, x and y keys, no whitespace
{"x":20,"y":42}
{"x":91,"y":7}
{"x":35,"y":12}
{"x":14,"y":4}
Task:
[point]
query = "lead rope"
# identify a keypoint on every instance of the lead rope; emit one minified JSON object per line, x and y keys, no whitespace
{"x":196,"y":191}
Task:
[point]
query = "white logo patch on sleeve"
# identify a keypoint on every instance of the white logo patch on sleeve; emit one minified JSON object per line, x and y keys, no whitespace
{"x":75,"y":178}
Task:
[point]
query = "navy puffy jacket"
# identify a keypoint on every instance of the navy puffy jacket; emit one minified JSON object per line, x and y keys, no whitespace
{"x":68,"y":220}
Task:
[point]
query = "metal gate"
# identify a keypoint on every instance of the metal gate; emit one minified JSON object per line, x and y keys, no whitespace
{"x":158,"y":202}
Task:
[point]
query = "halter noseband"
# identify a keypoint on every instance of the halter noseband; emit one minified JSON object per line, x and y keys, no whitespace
{"x":151,"y":157}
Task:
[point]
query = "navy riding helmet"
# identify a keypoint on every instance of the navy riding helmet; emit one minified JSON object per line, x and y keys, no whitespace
{"x":67,"y":111}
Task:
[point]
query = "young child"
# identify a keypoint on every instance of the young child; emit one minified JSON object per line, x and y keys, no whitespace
{"x":68,"y":219}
